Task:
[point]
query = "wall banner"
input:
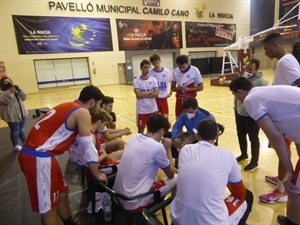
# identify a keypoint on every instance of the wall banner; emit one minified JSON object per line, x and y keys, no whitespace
{"x":209,"y":34}
{"x":148,"y":34}
{"x":40,"y":35}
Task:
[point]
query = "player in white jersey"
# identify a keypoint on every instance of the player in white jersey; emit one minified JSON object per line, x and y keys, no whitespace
{"x":186,"y":82}
{"x":204,"y":171}
{"x":146,"y":90}
{"x":287,"y":72}
{"x":276,"y":110}
{"x":143,"y":156}
{"x":163,"y":77}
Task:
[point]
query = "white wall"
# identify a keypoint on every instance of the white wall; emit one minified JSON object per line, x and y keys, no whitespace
{"x":21,"y":68}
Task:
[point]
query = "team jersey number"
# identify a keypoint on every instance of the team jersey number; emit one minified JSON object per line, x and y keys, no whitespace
{"x":48,"y":116}
{"x":232,"y":200}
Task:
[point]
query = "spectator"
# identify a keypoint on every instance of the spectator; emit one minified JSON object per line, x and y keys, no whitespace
{"x":13,"y":110}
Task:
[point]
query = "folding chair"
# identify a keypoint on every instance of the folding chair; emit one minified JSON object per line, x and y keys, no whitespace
{"x":149,"y":213}
{"x":116,"y":197}
{"x":93,"y":185}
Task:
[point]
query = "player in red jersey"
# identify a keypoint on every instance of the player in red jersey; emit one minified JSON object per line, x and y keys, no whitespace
{"x":52,"y":135}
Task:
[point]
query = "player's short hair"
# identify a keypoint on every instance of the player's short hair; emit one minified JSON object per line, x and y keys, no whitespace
{"x":90,"y":92}
{"x":102,"y":115}
{"x":182,"y":59}
{"x":253,"y":61}
{"x":190,"y":103}
{"x":154,"y":57}
{"x":107,"y":100}
{"x":273,"y":37}
{"x":144,"y":62}
{"x":207,"y":129}
{"x":240,"y":83}
{"x":156,"y":122}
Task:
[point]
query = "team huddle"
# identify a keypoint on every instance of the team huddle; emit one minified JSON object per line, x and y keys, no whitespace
{"x":203,"y":170}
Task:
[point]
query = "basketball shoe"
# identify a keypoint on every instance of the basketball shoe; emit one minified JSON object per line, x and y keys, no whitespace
{"x":272,"y":179}
{"x":274,"y":196}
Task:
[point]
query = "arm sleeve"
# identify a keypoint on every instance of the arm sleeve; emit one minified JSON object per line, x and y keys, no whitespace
{"x":254,"y":108}
{"x":90,"y":154}
{"x":155,"y":84}
{"x":198,"y":77}
{"x":22,"y":94}
{"x":235,"y":183}
{"x":161,"y":157}
{"x":238,"y":190}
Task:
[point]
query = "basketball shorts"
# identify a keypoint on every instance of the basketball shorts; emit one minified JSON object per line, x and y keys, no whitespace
{"x":178,"y":107}
{"x":142,"y":119}
{"x":236,"y":209}
{"x":162,"y":105}
{"x":44,"y":180}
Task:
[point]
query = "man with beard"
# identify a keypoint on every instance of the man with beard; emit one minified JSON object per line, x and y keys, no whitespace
{"x":52,"y":135}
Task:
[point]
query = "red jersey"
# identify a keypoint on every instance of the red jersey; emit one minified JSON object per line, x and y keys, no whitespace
{"x":51,"y":134}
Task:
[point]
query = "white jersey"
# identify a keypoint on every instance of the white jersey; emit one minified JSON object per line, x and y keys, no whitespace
{"x":287,"y":71}
{"x":281,"y":104}
{"x":137,"y":171}
{"x":203,"y":173}
{"x":164,"y":79}
{"x":145,"y":105}
{"x":190,"y":78}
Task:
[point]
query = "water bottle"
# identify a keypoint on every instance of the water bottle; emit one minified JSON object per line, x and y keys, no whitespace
{"x":107,"y":207}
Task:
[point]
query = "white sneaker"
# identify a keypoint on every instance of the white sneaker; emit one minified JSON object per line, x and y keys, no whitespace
{"x":17,"y":148}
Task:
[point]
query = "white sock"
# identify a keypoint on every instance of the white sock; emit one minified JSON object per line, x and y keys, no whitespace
{"x":280,"y":186}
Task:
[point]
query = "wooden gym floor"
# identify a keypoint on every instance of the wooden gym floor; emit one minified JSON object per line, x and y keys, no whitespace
{"x":15,"y":206}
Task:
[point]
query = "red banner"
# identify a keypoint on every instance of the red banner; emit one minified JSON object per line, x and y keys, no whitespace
{"x":148,"y":34}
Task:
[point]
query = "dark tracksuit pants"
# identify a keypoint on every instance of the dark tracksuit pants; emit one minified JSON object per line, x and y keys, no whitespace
{"x":246,"y":125}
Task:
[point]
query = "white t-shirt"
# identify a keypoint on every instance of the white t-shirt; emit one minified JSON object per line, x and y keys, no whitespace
{"x":281,"y":104}
{"x":203,"y":172}
{"x":145,"y":105}
{"x":287,"y":71}
{"x":137,"y":171}
{"x":190,"y":78}
{"x":163,"y":78}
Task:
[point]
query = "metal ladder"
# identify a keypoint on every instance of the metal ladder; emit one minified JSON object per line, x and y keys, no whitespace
{"x":231,"y":61}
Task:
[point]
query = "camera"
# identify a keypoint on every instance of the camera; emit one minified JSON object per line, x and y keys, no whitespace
{"x":8,"y":85}
{"x":17,"y":87}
